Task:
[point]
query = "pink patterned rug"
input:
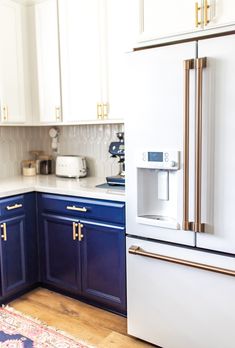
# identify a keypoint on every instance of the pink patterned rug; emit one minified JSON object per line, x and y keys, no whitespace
{"x":20,"y":331}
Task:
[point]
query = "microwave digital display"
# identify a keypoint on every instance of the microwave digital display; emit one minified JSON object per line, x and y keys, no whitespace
{"x":155,"y":156}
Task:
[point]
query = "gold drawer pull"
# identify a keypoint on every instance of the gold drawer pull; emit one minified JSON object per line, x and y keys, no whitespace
{"x":16,"y":206}
{"x":4,"y":228}
{"x":197,"y":9}
{"x":5,"y":113}
{"x":99,"y":111}
{"x":80,"y":235}
{"x":105,"y":112}
{"x":75,"y":235}
{"x":83,"y":209}
{"x":206,"y":8}
{"x":57,"y":113}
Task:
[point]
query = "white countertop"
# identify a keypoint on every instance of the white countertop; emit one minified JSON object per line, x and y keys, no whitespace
{"x":84,"y":187}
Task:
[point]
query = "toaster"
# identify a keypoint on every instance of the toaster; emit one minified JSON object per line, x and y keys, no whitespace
{"x":71,"y":166}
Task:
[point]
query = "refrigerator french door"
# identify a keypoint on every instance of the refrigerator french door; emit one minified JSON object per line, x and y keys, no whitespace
{"x":155,"y":123}
{"x":182,"y":100}
{"x":182,"y":295}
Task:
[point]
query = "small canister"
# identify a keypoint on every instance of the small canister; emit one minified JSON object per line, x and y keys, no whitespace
{"x":46,"y":167}
{"x":28,"y":168}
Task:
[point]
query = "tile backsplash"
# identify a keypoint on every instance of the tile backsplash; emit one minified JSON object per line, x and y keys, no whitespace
{"x":91,"y":141}
{"x":15,"y":144}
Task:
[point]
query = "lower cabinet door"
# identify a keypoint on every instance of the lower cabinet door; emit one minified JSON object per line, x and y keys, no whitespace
{"x":103,"y":264}
{"x":13,"y":265}
{"x":60,"y":253}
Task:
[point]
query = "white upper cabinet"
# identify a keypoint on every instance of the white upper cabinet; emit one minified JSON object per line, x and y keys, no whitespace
{"x":220,"y":13}
{"x":12,"y":78}
{"x":121,"y":33}
{"x":93,"y":45}
{"x":80,"y":50}
{"x":166,"y":20}
{"x":160,"y":19}
{"x":45,"y":26}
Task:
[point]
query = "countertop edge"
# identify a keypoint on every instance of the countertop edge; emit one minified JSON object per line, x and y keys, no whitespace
{"x":17,"y":186}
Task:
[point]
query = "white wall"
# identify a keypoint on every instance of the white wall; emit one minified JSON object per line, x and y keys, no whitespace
{"x":91,"y":141}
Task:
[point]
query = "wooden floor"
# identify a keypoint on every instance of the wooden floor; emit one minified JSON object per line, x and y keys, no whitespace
{"x":92,"y":325}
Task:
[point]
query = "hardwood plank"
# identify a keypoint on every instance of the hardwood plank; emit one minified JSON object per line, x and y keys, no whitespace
{"x":92,"y":325}
{"x":74,"y":308}
{"x":116,"y":340}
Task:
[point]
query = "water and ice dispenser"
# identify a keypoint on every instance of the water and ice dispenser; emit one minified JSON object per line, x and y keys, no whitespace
{"x":157,"y":189}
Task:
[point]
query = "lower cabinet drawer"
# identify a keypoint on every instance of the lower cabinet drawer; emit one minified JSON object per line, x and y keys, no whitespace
{"x":103,"y":210}
{"x":11,"y":206}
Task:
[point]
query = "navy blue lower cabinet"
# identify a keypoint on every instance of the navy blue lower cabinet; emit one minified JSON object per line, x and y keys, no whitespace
{"x":13,"y":255}
{"x":18,"y":245}
{"x":103,"y":264}
{"x":60,"y":253}
{"x":82,"y":249}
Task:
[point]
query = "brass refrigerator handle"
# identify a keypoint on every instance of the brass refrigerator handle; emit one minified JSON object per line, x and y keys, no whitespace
{"x":198,"y":226}
{"x":4,"y":228}
{"x":136,"y":250}
{"x":188,"y":64}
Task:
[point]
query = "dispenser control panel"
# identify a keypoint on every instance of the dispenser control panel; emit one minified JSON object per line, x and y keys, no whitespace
{"x":165,"y":160}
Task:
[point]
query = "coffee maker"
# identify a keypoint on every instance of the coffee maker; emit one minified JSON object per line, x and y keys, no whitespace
{"x":117,"y":150}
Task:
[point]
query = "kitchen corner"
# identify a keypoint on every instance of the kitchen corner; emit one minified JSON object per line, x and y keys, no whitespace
{"x":122,"y":242}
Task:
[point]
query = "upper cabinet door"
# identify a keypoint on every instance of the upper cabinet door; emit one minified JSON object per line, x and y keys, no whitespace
{"x":161,"y":19}
{"x":121,"y":33}
{"x":219,"y":13}
{"x":12,"y":87}
{"x":81,"y":68}
{"x":47,"y":61}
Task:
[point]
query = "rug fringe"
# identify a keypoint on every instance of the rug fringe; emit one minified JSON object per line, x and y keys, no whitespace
{"x":52,"y":328}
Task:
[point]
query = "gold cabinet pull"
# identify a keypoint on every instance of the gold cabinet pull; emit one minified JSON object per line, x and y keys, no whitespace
{"x":206,"y":7}
{"x":136,"y":250}
{"x":57,"y":113}
{"x":105,"y":111}
{"x":197,"y":225}
{"x":80,"y":235}
{"x":5,"y":113}
{"x":4,"y":229}
{"x":82,"y":209}
{"x":188,"y":64}
{"x":15,"y":206}
{"x":197,"y":9}
{"x":75,"y":235}
{"x":99,"y":111}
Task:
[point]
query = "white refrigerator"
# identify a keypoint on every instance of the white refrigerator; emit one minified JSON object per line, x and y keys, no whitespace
{"x":180,"y":183}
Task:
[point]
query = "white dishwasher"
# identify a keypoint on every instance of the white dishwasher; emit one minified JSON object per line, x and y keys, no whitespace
{"x":176,"y":305}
